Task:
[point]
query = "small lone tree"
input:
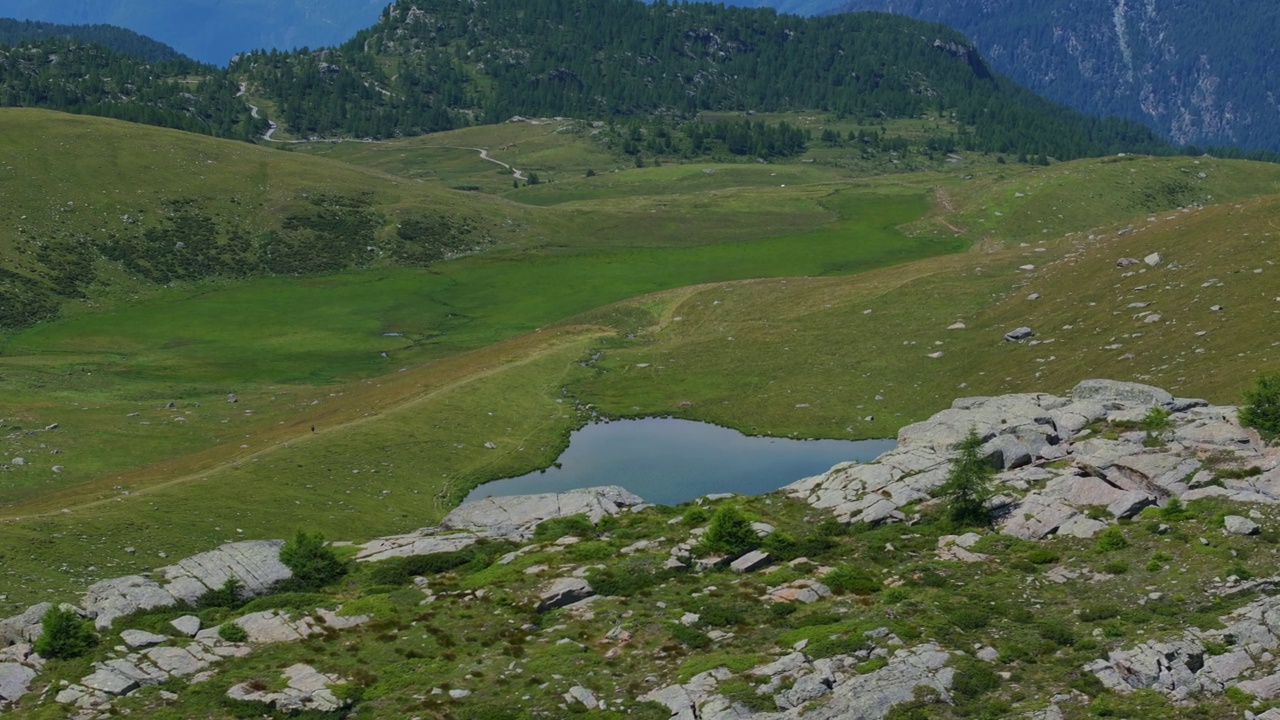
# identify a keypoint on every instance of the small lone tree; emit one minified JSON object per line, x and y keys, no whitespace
{"x":1262,"y":406}
{"x":968,"y":485}
{"x":65,"y":635}
{"x":313,"y":563}
{"x":730,"y":532}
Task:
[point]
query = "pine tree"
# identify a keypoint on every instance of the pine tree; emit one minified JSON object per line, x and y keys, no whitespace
{"x":968,"y":485}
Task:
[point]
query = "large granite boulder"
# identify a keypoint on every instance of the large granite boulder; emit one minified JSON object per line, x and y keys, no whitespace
{"x":517,"y":516}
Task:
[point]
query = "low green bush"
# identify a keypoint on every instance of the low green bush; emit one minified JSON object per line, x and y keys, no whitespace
{"x":314,"y":564}
{"x":556,"y":528}
{"x":1261,"y":410}
{"x":1111,"y":540}
{"x":64,"y":635}
{"x":846,"y":580}
{"x":232,"y":632}
{"x":694,"y":639}
{"x":230,"y":595}
{"x":730,"y":532}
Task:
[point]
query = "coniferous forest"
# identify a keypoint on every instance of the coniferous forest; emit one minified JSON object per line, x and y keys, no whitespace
{"x":430,"y":65}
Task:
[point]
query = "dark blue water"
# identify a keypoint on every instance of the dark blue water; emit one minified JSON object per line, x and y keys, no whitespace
{"x":668,"y":461}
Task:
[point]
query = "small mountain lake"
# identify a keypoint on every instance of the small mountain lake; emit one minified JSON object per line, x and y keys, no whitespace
{"x":668,"y":461}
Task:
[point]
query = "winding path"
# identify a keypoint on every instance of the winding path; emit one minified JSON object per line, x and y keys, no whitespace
{"x":272,"y":127}
{"x":484,"y":155}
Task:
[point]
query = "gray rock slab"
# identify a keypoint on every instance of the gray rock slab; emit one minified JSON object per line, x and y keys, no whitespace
{"x":562,"y":592}
{"x":179,"y":662}
{"x":188,"y":625}
{"x":23,"y":628}
{"x":1081,"y":526}
{"x":109,"y":599}
{"x":516,"y":516}
{"x":582,"y":695}
{"x":1036,"y":517}
{"x":269,"y":626}
{"x":110,"y":681}
{"x":141,"y":638}
{"x":15,"y":681}
{"x":1127,"y":393}
{"x":1131,"y":504}
{"x":1239,"y":525}
{"x":872,"y":696}
{"x":1264,"y":688}
{"x":255,"y":563}
{"x":423,"y":542}
{"x":753,"y":560}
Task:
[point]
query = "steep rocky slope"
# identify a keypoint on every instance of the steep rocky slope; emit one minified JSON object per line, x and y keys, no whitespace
{"x":1202,"y":73}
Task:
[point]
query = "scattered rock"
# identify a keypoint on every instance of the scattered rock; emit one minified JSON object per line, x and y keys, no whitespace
{"x":564,"y":591}
{"x":1153,"y":259}
{"x":753,"y":560}
{"x":188,"y":625}
{"x":1238,"y":525}
{"x":582,"y":695}
{"x":1017,"y":334}
{"x":141,"y":638}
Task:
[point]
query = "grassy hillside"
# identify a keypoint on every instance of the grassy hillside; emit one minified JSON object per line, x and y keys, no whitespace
{"x":657,"y":268}
{"x":303,"y":351}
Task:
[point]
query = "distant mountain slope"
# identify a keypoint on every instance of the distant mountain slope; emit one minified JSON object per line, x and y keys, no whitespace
{"x":213,"y":31}
{"x":1201,"y":72}
{"x":429,"y":64}
{"x":13,"y":32}
{"x":84,"y":78}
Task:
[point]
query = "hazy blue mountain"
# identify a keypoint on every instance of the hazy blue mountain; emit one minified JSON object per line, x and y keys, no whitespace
{"x":14,"y":32}
{"x":214,"y":30}
{"x":1200,"y":71}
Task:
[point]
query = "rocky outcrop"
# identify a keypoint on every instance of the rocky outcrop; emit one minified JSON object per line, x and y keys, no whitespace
{"x":794,"y":680}
{"x":1054,"y":475}
{"x":516,"y":517}
{"x":306,"y":689}
{"x":1184,"y":666}
{"x":254,"y":564}
{"x":125,"y":672}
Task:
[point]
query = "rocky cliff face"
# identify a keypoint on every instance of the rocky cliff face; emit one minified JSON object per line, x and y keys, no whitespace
{"x":1202,"y":73}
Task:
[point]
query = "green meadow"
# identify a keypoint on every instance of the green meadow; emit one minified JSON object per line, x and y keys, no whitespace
{"x":809,"y":310}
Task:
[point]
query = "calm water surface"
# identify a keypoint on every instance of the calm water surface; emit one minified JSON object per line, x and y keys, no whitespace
{"x":669,"y":461}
